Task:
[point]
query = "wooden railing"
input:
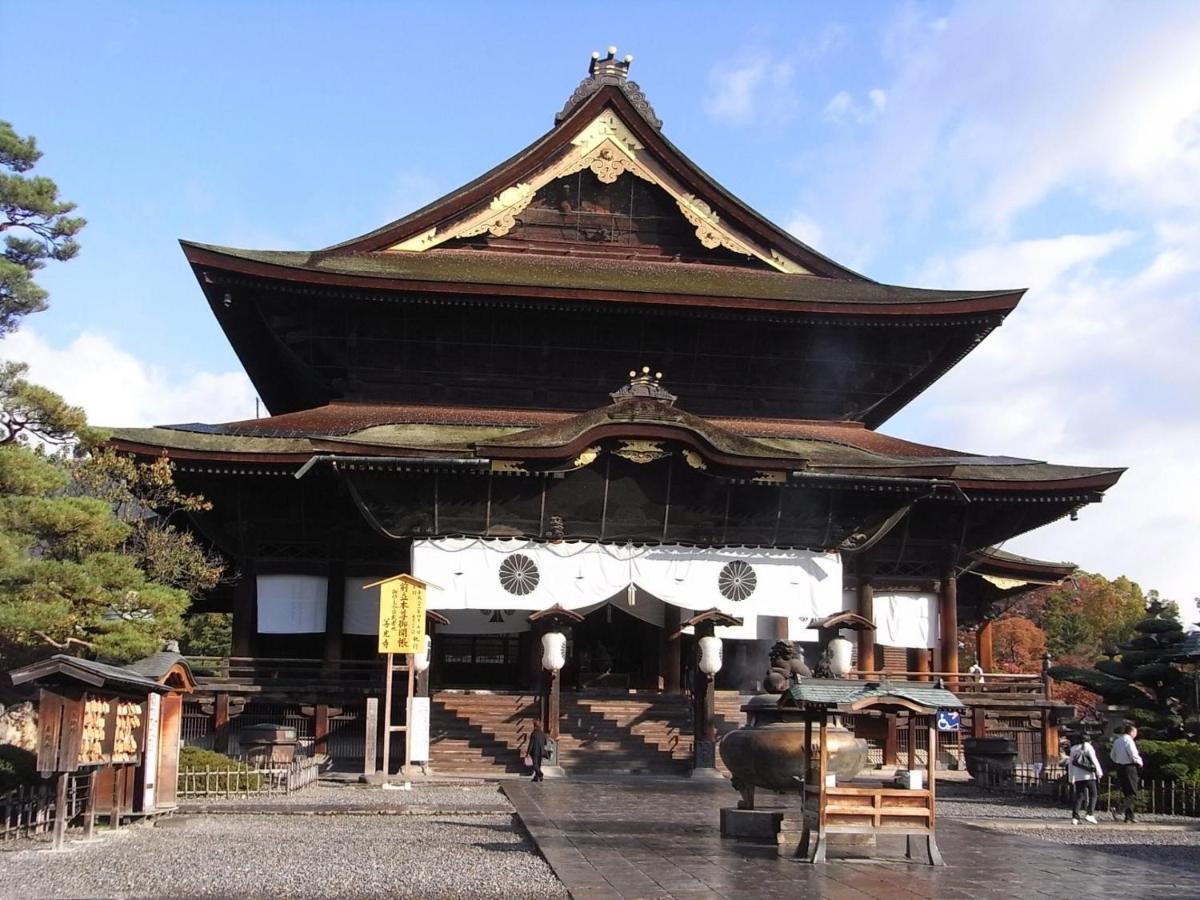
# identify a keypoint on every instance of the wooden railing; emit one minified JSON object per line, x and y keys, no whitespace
{"x":247,"y":781}
{"x":247,"y":673}
{"x":990,"y":684}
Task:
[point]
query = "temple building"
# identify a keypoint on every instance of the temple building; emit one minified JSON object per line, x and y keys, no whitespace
{"x":593,"y":380}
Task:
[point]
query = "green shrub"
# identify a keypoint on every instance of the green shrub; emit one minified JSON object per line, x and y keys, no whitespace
{"x":1171,"y":760}
{"x":17,"y":767}
{"x":197,"y":759}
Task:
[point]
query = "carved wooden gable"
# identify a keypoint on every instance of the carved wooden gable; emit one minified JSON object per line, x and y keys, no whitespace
{"x":605,"y":193}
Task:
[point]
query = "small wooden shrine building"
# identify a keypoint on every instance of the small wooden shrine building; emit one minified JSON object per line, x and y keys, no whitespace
{"x":449,"y":397}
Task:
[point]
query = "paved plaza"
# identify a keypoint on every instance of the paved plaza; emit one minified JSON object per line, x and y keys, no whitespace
{"x":587,"y":839}
{"x":660,"y":840}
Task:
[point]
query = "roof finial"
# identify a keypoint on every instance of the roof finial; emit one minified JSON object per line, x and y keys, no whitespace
{"x":644,"y":384}
{"x":610,"y":70}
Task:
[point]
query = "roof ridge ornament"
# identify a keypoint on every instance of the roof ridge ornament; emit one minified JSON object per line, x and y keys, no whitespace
{"x":609,"y":70}
{"x":645,"y":385}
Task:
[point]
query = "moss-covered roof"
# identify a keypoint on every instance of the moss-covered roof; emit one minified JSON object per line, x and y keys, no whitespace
{"x":390,"y":269}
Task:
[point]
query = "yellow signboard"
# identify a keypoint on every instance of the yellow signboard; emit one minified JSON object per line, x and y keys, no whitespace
{"x":402,"y":615}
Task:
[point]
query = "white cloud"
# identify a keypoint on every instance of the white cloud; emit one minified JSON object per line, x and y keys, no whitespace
{"x":805,"y":229}
{"x":759,"y":88}
{"x":842,"y":107}
{"x":1091,"y":369}
{"x":115,"y":388}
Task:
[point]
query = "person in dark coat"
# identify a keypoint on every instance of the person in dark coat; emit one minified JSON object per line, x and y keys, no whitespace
{"x":537,"y":750}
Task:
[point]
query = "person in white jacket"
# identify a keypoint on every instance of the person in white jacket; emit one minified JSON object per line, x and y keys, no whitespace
{"x":1084,"y":772}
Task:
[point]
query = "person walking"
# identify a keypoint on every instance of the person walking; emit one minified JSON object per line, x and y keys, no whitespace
{"x":1126,"y":758}
{"x":537,"y":750}
{"x":1083,"y":771}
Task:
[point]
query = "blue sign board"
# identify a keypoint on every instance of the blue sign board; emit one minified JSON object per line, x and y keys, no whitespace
{"x":948,"y":721}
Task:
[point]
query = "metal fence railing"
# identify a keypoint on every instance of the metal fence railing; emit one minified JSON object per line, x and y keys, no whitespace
{"x":247,"y":781}
{"x":1050,"y":782}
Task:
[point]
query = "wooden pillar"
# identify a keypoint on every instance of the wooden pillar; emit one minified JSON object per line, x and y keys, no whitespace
{"x":321,"y":729}
{"x":983,"y":646}
{"x":551,"y":701}
{"x":978,"y":722}
{"x":704,"y":743}
{"x":335,"y":610}
{"x":948,"y":621}
{"x":60,"y":810}
{"x":89,"y":811}
{"x":891,"y":741}
{"x":918,"y":662}
{"x":118,"y":797}
{"x":221,"y":723}
{"x":866,"y":636}
{"x":671,"y":642}
{"x":912,"y":742}
{"x":1050,"y":739}
{"x":245,"y":610}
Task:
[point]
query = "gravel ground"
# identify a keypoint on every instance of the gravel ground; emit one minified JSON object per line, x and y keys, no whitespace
{"x":441,"y":797}
{"x":480,"y":856}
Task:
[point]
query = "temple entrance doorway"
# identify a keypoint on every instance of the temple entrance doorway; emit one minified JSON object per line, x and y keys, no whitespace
{"x":613,"y":650}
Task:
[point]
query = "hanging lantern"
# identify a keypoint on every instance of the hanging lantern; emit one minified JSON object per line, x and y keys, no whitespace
{"x":421,"y":660}
{"x":839,"y":657}
{"x":710,"y":655}
{"x":554,"y":651}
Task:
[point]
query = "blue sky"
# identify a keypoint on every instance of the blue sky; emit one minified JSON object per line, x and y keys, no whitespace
{"x":1048,"y":146}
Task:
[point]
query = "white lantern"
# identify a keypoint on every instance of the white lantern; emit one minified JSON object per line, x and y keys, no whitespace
{"x":554,"y":651}
{"x":710,"y":655}
{"x":839,"y":657}
{"x":421,"y":660}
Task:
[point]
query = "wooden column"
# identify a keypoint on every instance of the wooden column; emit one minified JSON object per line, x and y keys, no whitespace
{"x":978,"y":722}
{"x":89,"y":812}
{"x":245,"y":609}
{"x":918,"y":661}
{"x":60,"y":811}
{"x":866,"y":636}
{"x":551,"y":701}
{"x":321,"y":728}
{"x":671,"y":658}
{"x":948,"y":621}
{"x":221,"y":722}
{"x":983,"y":646}
{"x":704,"y":745}
{"x":891,"y":741}
{"x":335,"y":610}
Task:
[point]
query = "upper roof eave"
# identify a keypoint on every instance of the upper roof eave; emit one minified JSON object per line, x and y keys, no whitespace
{"x":572,"y":278}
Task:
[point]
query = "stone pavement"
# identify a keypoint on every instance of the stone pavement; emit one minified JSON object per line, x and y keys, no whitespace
{"x":643,"y":838}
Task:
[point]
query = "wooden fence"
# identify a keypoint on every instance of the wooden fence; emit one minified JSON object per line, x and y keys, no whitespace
{"x":29,"y":809}
{"x":247,"y":781}
{"x":1155,"y":796}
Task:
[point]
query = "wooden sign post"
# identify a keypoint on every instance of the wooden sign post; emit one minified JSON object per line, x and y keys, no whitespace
{"x":401,"y":632}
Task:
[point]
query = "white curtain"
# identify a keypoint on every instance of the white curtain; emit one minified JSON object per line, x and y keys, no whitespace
{"x":903,"y":618}
{"x":291,"y":604}
{"x":510,"y":575}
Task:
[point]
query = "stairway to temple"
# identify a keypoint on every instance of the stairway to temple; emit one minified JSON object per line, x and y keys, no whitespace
{"x":480,"y":732}
{"x":641,"y":733}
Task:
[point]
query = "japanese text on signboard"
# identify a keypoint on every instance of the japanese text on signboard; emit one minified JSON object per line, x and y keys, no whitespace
{"x":401,"y":616}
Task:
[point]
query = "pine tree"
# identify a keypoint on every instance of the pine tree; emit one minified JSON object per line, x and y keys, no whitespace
{"x":37,"y":227}
{"x":1140,"y":674}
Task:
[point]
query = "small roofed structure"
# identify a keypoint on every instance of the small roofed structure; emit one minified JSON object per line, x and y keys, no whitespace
{"x":863,"y":806}
{"x":121,"y":723}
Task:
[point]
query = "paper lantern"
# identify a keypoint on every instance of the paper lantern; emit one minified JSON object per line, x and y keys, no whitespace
{"x":421,"y":660}
{"x":710,"y":655}
{"x":839,"y":657}
{"x":554,"y":650}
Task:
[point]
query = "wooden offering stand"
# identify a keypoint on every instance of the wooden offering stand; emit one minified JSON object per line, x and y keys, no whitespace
{"x":863,"y":806}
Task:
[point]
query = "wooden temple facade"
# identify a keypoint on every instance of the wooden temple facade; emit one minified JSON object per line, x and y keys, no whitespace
{"x":459,"y":378}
